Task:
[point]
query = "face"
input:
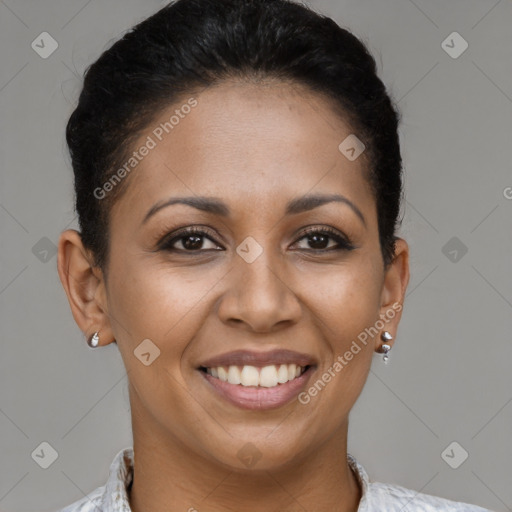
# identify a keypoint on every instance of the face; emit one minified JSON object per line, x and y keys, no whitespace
{"x":261,"y":274}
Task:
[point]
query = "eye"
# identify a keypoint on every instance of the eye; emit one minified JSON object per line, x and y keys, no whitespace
{"x":191,"y":240}
{"x":319,"y":238}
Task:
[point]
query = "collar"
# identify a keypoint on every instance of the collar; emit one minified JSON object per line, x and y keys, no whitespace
{"x":115,"y":496}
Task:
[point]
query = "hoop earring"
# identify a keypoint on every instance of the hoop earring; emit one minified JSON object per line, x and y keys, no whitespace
{"x":94,"y":340}
{"x":385,"y":347}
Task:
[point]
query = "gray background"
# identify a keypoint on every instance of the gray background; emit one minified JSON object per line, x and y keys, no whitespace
{"x":449,"y":377}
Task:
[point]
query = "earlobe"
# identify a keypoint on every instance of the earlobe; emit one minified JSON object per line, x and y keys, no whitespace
{"x":84,"y":286}
{"x":394,"y":287}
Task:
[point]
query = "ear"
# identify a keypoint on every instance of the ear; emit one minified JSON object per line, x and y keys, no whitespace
{"x":84,"y":285}
{"x":395,"y":283}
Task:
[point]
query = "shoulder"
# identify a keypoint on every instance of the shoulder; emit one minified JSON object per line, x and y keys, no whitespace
{"x":378,"y":496}
{"x":111,"y":497}
{"x":93,"y":502}
{"x":393,"y":498}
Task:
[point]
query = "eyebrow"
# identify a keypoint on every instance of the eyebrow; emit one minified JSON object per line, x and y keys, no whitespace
{"x":217,"y":207}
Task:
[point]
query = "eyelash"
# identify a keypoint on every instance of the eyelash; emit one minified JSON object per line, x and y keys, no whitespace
{"x":166,"y":244}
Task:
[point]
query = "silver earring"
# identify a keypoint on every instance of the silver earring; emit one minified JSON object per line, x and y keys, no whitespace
{"x":385,"y":347}
{"x":94,"y":340}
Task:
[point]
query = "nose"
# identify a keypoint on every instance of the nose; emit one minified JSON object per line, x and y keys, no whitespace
{"x":258,"y":296}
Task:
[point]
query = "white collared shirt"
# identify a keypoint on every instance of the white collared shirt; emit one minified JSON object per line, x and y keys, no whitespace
{"x":376,"y":496}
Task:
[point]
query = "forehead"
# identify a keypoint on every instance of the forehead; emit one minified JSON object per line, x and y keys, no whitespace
{"x":246,"y":142}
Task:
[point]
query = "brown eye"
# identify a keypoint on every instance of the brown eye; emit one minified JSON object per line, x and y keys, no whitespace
{"x":191,"y":240}
{"x":320,"y":240}
{"x":194,"y":239}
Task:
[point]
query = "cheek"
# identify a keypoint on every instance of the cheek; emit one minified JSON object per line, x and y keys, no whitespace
{"x":165,"y":305}
{"x":345,"y":305}
{"x":346,"y":299}
{"x":168,"y":307}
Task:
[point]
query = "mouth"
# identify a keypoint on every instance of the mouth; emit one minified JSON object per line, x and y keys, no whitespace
{"x":253,"y":376}
{"x":257,"y":388}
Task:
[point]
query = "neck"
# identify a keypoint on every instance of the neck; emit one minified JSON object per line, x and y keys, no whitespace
{"x":167,"y":473}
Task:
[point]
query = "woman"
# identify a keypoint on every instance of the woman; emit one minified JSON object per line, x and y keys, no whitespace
{"x":238,"y":185}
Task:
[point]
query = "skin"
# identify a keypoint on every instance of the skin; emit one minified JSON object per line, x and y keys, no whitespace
{"x":255,"y":146}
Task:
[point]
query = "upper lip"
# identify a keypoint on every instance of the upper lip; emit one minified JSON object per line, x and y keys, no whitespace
{"x":259,"y":359}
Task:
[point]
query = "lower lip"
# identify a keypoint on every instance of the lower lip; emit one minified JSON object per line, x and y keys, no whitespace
{"x":258,"y":397}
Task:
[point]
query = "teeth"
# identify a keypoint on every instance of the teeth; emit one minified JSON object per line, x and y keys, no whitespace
{"x":282,"y":374}
{"x":234,"y":376}
{"x":223,"y":374}
{"x":267,"y":377}
{"x":291,"y":371}
{"x":249,"y":376}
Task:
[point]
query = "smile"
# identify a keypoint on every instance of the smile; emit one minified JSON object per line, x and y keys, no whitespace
{"x":257,"y":388}
{"x":266,"y":376}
